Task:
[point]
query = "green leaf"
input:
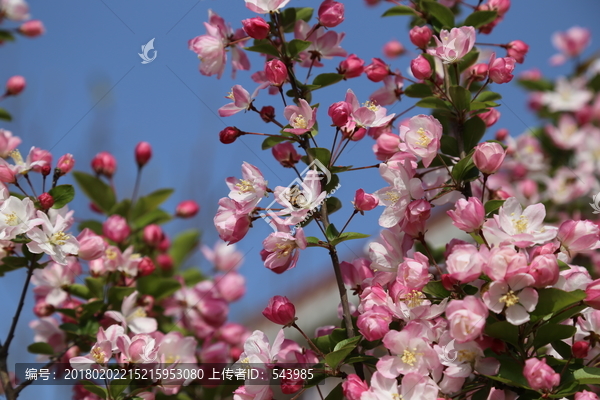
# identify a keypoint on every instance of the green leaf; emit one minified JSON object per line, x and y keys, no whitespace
{"x":552,"y":332}
{"x":96,"y":286}
{"x":121,"y":208}
{"x":433,"y":102}
{"x":562,"y":348}
{"x":337,"y":393}
{"x":118,"y":386}
{"x":97,"y":390}
{"x":341,"y":351}
{"x":264,"y":47}
{"x":6,"y":36}
{"x":157,"y":287}
{"x":492,"y":205}
{"x":538,"y":85}
{"x":326,"y":343}
{"x":448,"y":145}
{"x":157,"y":217}
{"x":333,"y":204}
{"x":96,"y":190}
{"x":320,"y":153}
{"x":442,"y":14}
{"x":473,"y":131}
{"x":480,"y":18}
{"x":587,"y":375}
{"x":551,"y":301}
{"x":5,"y":115}
{"x":349,"y":236}
{"x":62,"y":195}
{"x":338,"y":169}
{"x":563,"y":266}
{"x":312,"y":239}
{"x":116,"y":294}
{"x":331,"y":232}
{"x":461,"y":98}
{"x":79,"y":290}
{"x":15,"y":262}
{"x":488,"y":96}
{"x":504,"y":331}
{"x":418,"y":90}
{"x":511,"y":373}
{"x":436,"y":289}
{"x":295,"y":46}
{"x":327,"y":79}
{"x":460,"y":170}
{"x":93,"y":225}
{"x":468,"y":60}
{"x":399,"y":10}
{"x":191,"y":276}
{"x":40,"y":348}
{"x":92,"y":308}
{"x":289,"y":16}
{"x":271,"y":141}
{"x":151,"y":202}
{"x":183,"y":245}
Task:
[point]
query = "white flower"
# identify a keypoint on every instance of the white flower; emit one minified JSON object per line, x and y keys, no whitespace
{"x":513,"y":294}
{"x":16,"y":217}
{"x":52,"y":239}
{"x":396,"y":197}
{"x":50,"y":282}
{"x":133,"y":316}
{"x":567,"y":96}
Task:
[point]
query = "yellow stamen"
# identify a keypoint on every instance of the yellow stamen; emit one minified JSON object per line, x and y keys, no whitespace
{"x":59,"y":238}
{"x":300,"y":122}
{"x":230,"y":96}
{"x":284,"y":250}
{"x":98,"y":355}
{"x":371,"y":105}
{"x":521,"y":224}
{"x":414,"y":298}
{"x":510,"y":299}
{"x":423,"y":140}
{"x":16,"y":156}
{"x":11,"y":219}
{"x":110,"y":254}
{"x":466,"y":356}
{"x":392,"y":197}
{"x":138,"y":313}
{"x":408,"y":357}
{"x":244,"y":186}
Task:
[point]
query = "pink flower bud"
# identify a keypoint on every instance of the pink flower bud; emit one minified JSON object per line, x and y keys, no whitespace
{"x":478,"y":72}
{"x":420,"y":36}
{"x":466,"y":318}
{"x":280,"y":311}
{"x":490,"y":117}
{"x":351,"y":67}
{"x":500,"y":69}
{"x":229,"y":135}
{"x":276,"y":72}
{"x":353,"y":387}
{"x":45,"y":170}
{"x":187,"y":209}
{"x":286,"y":154}
{"x":143,"y":153}
{"x":267,"y":113}
{"x":164,"y":245}
{"x":577,"y":236}
{"x":65,"y":164}
{"x":43,"y":309}
{"x":386,"y":146}
{"x":331,"y":13}
{"x":468,"y":215}
{"x":517,"y":49}
{"x":153,"y":235}
{"x":353,"y":274}
{"x":15,"y":85}
{"x":377,"y":70}
{"x":365,"y":201}
{"x":340,"y":112}
{"x":146,"y":267}
{"x":592,"y":294}
{"x":448,"y":282}
{"x":38,"y":154}
{"x":290,"y":384}
{"x":488,"y":157}
{"x":32,"y":28}
{"x":116,"y":229}
{"x":165,"y":262}
{"x":231,"y":286}
{"x":420,"y":68}
{"x":586,"y":395}
{"x":540,"y":375}
{"x":105,"y":164}
{"x":544,"y":269}
{"x":91,"y":246}
{"x":46,"y":201}
{"x":393,"y":49}
{"x":256,"y":28}
{"x":416,"y":216}
{"x":373,"y":324}
{"x":580,"y":349}
{"x":502,"y":134}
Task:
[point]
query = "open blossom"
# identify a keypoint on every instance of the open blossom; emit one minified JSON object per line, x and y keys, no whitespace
{"x":299,"y":201}
{"x":468,"y":215}
{"x":224,"y":257}
{"x":101,"y":353}
{"x":570,"y":43}
{"x":414,"y":272}
{"x":567,"y":134}
{"x":281,"y":250}
{"x":414,"y":386}
{"x":466,"y":318}
{"x":133,"y":316}
{"x":16,"y":217}
{"x":52,"y":239}
{"x":500,"y":69}
{"x":250,"y":189}
{"x":324,"y":44}
{"x":51,"y":280}
{"x":241,"y":101}
{"x":265,"y":6}
{"x":410,"y":353}
{"x":396,"y":197}
{"x":454,"y":45}
{"x":512,"y":296}
{"x":390,"y":92}
{"x":16,"y":10}
{"x":576,"y":236}
{"x":141,"y":349}
{"x":540,"y":375}
{"x":302,"y":118}
{"x":211,"y":48}
{"x":8,"y":142}
{"x":524,"y":228}
{"x":422,"y":135}
{"x":232,"y":220}
{"x":567,"y":95}
{"x":465,"y":262}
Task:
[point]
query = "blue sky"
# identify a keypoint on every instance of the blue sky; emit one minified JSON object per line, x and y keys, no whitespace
{"x":87,"y":91}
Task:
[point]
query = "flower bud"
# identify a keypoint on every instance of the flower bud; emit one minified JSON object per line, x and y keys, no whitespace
{"x":517,"y":49}
{"x":229,"y":135}
{"x":351,"y":67}
{"x":276,"y":72}
{"x":105,"y":164}
{"x":116,"y":229}
{"x":365,"y":201}
{"x":502,"y":134}
{"x":46,"y":169}
{"x":231,"y":286}
{"x":340,"y":113}
{"x":544,"y":269}
{"x":146,"y":267}
{"x":420,"y":68}
{"x":420,"y":36}
{"x":478,"y":72}
{"x":256,"y":28}
{"x":448,"y":282}
{"x":43,"y":309}
{"x":490,"y":117}
{"x":280,"y":311}
{"x":500,"y":69}
{"x":353,"y":387}
{"x":540,"y":375}
{"x":153,"y":235}
{"x":267,"y":113}
{"x":38,"y":154}
{"x":187,"y":209}
{"x":46,"y":201}
{"x":143,"y":153}
{"x":331,"y":13}
{"x":592,"y":294}
{"x":286,"y":154}
{"x":32,"y":28}
{"x":377,"y":70}
{"x":165,"y":262}
{"x":586,"y":395}
{"x":468,"y":215}
{"x":91,"y":246}
{"x":488,"y":157}
{"x":393,"y":49}
{"x":65,"y":164}
{"x":580,"y":349}
{"x":15,"y":85}
{"x":164,"y":245}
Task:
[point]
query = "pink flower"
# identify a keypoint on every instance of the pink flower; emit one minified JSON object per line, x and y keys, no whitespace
{"x":465,"y":263}
{"x":377,"y":70}
{"x":420,"y":68}
{"x":517,"y":49}
{"x":276,"y":72}
{"x":232,"y":220}
{"x":422,"y":134}
{"x":567,"y":134}
{"x":586,"y":395}
{"x":65,"y":163}
{"x":468,"y":215}
{"x":265,"y":6}
{"x":187,"y":209}
{"x":490,"y":117}
{"x":32,"y":28}
{"x":364,"y":201}
{"x":231,"y":286}
{"x":141,"y":349}
{"x":413,"y":273}
{"x":368,"y":116}
{"x":116,"y":229}
{"x":374,"y":323}
{"x":353,"y":387}
{"x":466,"y":318}
{"x":281,"y":250}
{"x":8,"y":143}
{"x":415,"y":218}
{"x":249,"y":190}
{"x":133,"y":316}
{"x":50,"y":238}
{"x":577,"y":236}
{"x":100,"y":353}
{"x":397,"y":196}
{"x":301,"y":118}
{"x":410,"y":353}
{"x":224,"y":257}
{"x":256,"y":28}
{"x":454,"y":45}
{"x":513,"y":297}
{"x":504,"y":262}
{"x":351,"y":67}
{"x":241,"y":102}
{"x":324,"y":44}
{"x":15,"y":10}
{"x":47,"y":330}
{"x":51,"y":282}
{"x":420,"y":36}
{"x":390,"y":92}
{"x":331,"y":13}
{"x":286,"y":154}
{"x":544,"y":270}
{"x":353,"y":274}
{"x":393,"y":49}
{"x":592,"y":292}
{"x":500,"y":69}
{"x":386,"y":146}
{"x":280,"y":311}
{"x":540,"y":375}
{"x":104,"y":163}
{"x":414,"y":387}
{"x":488,"y":157}
{"x":570,"y":43}
{"x":16,"y":217}
{"x":298,"y":202}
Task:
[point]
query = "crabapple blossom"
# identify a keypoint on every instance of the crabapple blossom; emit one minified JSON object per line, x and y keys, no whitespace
{"x":116,"y":228}
{"x":490,"y":117}
{"x":100,"y":353}
{"x":468,"y":215}
{"x":422,"y":134}
{"x":420,"y":36}
{"x":324,"y":44}
{"x":390,"y":92}
{"x":517,"y":49}
{"x":281,"y":250}
{"x":51,"y":282}
{"x":265,"y":6}
{"x":540,"y":375}
{"x":570,"y":43}
{"x":377,"y":70}
{"x":567,"y":95}
{"x":231,"y":286}
{"x":454,"y":45}
{"x":298,"y":202}
{"x":187,"y":209}
{"x":105,"y":164}
{"x":280,"y":311}
{"x":224,"y":257}
{"x":393,"y":49}
{"x":16,"y":217}
{"x":364,"y":201}
{"x":410,"y":353}
{"x":396,"y":197}
{"x":466,"y":262}
{"x":52,"y":239}
{"x":466,"y":318}
{"x":353,"y":387}
{"x":8,"y":143}
{"x":413,"y":273}
{"x":141,"y":349}
{"x":232,"y":220}
{"x":586,"y":395}
{"x":32,"y":28}
{"x":592,"y":294}
{"x":354,"y":273}
{"x":256,"y":28}
{"x":249,"y":190}
{"x":301,"y":118}
{"x":374,"y":323}
{"x":577,"y":236}
{"x":286,"y":154}
{"x":351,"y":67}
{"x":500,"y":69}
{"x":132,"y":316}
{"x":331,"y":13}
{"x":15,"y":85}
{"x":512,"y":296}
{"x":488,"y":157}
{"x":276,"y":72}
{"x":420,"y":68}
{"x":504,"y":262}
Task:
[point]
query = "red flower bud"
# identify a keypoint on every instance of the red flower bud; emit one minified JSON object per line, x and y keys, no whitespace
{"x":286,"y":154}
{"x":187,"y":209}
{"x":143,"y":153}
{"x":105,"y":164}
{"x":65,"y":164}
{"x":331,"y":13}
{"x":351,"y":67}
{"x":146,"y":267}
{"x":267,"y":113}
{"x":377,"y":70}
{"x":340,"y":113}
{"x":420,"y":68}
{"x":420,"y":36}
{"x":393,"y":49}
{"x":15,"y":85}
{"x":256,"y":28}
{"x":45,"y":170}
{"x":165,"y":262}
{"x":46,"y":201}
{"x":153,"y":235}
{"x":580,"y":349}
{"x":276,"y":72}
{"x":229,"y":134}
{"x":365,"y":201}
{"x":280,"y":311}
